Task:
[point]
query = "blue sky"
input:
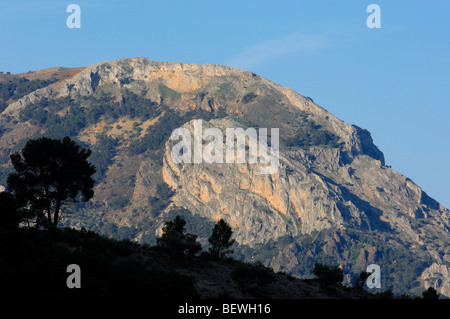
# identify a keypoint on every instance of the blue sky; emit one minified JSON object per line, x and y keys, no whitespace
{"x":394,"y":81}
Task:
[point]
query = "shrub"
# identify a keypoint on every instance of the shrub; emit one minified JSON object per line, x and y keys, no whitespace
{"x":162,"y":199}
{"x":249,"y":276}
{"x":327,"y":275}
{"x":174,"y":241}
{"x":310,"y":134}
{"x":20,"y":87}
{"x":248,"y":97}
{"x":430,"y":293}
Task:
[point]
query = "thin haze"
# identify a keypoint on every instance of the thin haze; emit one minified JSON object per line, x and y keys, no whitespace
{"x":265,"y":51}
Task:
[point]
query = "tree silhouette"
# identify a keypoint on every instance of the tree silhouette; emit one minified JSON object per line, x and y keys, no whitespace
{"x":220,"y":240}
{"x":430,"y":293}
{"x":9,"y":218}
{"x":175,"y":241}
{"x":360,"y":281}
{"x":327,"y":275}
{"x":48,"y":174}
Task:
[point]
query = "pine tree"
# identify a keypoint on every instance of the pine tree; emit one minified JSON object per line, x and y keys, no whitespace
{"x":48,"y":174}
{"x":175,"y":241}
{"x":220,"y":240}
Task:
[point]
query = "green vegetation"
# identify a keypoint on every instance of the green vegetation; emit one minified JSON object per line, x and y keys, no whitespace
{"x":327,"y":275}
{"x":3,"y":106}
{"x":84,"y":111}
{"x":119,"y":203}
{"x":176,"y":242}
{"x":5,"y":159}
{"x":48,"y":174}
{"x":67,"y":117}
{"x":220,"y":240}
{"x":43,"y":113}
{"x":168,"y":93}
{"x":162,"y":198}
{"x":102,"y":155}
{"x":360,"y":280}
{"x":134,"y":106}
{"x":310,"y":134}
{"x":195,"y":224}
{"x":249,"y":97}
{"x":301,"y":132}
{"x":399,"y":269}
{"x":156,"y":134}
{"x":19,"y":87}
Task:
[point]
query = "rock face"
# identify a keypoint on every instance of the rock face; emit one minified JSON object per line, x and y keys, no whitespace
{"x":331,"y":196}
{"x":437,"y":276}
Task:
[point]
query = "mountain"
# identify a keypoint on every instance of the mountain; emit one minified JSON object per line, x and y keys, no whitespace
{"x":331,"y":199}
